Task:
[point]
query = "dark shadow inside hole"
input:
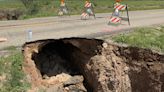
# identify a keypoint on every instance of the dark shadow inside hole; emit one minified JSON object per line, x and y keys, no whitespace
{"x":55,"y":58}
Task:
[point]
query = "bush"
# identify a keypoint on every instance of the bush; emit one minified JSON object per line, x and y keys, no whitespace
{"x":31,"y":6}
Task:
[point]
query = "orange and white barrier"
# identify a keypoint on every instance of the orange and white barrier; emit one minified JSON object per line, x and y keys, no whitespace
{"x":62,"y":4}
{"x":116,"y":17}
{"x":84,"y":14}
{"x":120,"y":7}
{"x":63,"y":10}
{"x":115,"y":20}
{"x":88,"y":10}
{"x":88,"y":5}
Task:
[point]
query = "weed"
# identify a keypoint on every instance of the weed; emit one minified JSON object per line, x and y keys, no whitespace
{"x":15,"y":80}
{"x":144,"y":37}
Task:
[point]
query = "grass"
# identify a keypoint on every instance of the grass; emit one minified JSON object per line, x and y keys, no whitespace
{"x":50,"y":7}
{"x":10,"y":48}
{"x":144,"y":4}
{"x":12,"y":78}
{"x":149,"y":37}
{"x":11,"y":4}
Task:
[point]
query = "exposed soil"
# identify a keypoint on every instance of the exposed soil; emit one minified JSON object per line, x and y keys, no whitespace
{"x":10,"y":14}
{"x":91,"y":65}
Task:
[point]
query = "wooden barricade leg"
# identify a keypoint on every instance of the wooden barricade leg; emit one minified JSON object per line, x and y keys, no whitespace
{"x":127,"y":14}
{"x":93,"y":12}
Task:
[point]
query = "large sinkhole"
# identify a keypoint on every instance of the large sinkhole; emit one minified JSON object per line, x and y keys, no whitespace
{"x":92,"y":65}
{"x":55,"y":57}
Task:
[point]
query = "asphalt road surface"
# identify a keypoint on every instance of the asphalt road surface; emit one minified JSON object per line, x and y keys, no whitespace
{"x":16,"y":32}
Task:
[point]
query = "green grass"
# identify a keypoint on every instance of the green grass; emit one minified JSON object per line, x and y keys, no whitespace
{"x":10,"y":48}
{"x":152,"y":37}
{"x":144,"y":4}
{"x":14,"y":78}
{"x":50,"y":7}
{"x":11,"y":4}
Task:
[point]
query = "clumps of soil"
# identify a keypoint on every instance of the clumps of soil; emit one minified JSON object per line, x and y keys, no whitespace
{"x":92,"y":65}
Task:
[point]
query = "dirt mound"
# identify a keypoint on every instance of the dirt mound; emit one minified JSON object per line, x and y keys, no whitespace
{"x":10,"y":14}
{"x":91,"y":65}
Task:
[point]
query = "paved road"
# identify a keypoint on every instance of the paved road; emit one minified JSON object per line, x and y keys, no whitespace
{"x":60,"y":27}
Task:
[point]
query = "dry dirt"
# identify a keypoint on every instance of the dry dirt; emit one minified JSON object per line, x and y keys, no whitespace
{"x":91,"y":65}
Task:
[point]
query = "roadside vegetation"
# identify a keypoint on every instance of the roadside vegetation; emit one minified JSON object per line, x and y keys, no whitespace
{"x":12,"y":78}
{"x":147,"y":37}
{"x":41,"y":8}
